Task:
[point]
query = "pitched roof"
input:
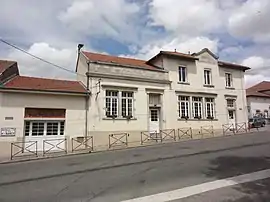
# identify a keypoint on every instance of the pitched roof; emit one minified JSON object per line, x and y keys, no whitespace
{"x":4,"y":64}
{"x":97,"y":57}
{"x":175,"y":54}
{"x":232,"y":65}
{"x":259,"y":89}
{"x":205,"y":50}
{"x":42,"y":84}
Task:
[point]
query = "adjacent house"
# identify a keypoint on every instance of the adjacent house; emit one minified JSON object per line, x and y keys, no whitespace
{"x":38,"y":109}
{"x":170,"y":90}
{"x":258,"y":100}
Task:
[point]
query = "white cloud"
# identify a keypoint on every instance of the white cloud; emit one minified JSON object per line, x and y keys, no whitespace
{"x":251,"y":20}
{"x":34,"y":67}
{"x":190,"y":17}
{"x":103,"y":18}
{"x":183,"y":44}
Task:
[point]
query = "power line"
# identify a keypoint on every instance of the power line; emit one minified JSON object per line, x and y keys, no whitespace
{"x":39,"y":58}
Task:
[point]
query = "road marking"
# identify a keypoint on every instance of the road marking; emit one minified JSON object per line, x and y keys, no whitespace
{"x":201,"y":188}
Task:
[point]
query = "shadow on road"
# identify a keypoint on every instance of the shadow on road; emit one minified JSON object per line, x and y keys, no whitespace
{"x":229,"y":166}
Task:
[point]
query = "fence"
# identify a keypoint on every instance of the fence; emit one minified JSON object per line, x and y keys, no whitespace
{"x":147,"y":136}
{"x":207,"y":130}
{"x":54,"y":145}
{"x":228,"y":129}
{"x":168,"y":134}
{"x":23,"y":148}
{"x":241,"y":128}
{"x":82,"y":144}
{"x":120,"y":139}
{"x":185,"y":133}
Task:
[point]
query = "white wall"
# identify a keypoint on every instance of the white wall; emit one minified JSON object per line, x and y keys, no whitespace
{"x":258,"y":103}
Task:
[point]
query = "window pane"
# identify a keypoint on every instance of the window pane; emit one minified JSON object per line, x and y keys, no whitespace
{"x":182,"y":74}
{"x":27,"y":128}
{"x":37,"y":128}
{"x":52,"y":128}
{"x":124,"y":107}
{"x":62,"y":128}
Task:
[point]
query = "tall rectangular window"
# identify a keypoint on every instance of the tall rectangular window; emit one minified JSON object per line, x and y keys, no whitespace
{"x":183,"y":106}
{"x":182,"y":74}
{"x":127,"y":104}
{"x":207,"y":77}
{"x":111,"y":103}
{"x":230,"y":103}
{"x":197,"y":107}
{"x":209,"y":108}
{"x":228,"y":78}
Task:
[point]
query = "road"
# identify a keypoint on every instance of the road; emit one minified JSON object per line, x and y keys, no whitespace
{"x":184,"y":169}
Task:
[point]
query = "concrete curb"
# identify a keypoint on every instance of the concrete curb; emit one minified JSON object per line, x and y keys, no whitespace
{"x":132,"y":163}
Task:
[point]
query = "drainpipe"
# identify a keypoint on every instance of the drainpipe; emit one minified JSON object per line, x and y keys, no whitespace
{"x":87,"y":99}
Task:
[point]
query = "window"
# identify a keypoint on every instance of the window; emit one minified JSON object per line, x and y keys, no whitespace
{"x":111,"y":103}
{"x":119,"y":103}
{"x":197,"y":107}
{"x":231,"y":114}
{"x":207,"y":77}
{"x":154,"y":115}
{"x":182,"y":74}
{"x":209,"y":105}
{"x":228,"y":77}
{"x":183,"y":106}
{"x":127,"y":104}
{"x":230,"y":103}
{"x":40,"y":128}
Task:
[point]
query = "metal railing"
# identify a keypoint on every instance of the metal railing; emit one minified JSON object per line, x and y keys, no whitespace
{"x":207,"y":130}
{"x":119,"y":139}
{"x":168,"y":134}
{"x":147,"y":136}
{"x":82,"y":143}
{"x":54,"y":146}
{"x":185,"y":133}
{"x":228,"y":129}
{"x":241,"y":128}
{"x":24,"y":147}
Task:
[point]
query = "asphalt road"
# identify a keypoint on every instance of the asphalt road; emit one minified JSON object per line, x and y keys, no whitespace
{"x":133,"y":173}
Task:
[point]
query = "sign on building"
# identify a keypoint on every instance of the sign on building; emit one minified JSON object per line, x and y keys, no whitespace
{"x":7,"y":132}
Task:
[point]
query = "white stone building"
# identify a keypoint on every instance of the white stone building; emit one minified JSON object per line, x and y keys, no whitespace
{"x":171,"y":90}
{"x":258,"y":100}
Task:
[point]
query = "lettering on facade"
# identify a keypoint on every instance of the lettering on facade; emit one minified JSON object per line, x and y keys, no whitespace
{"x":8,"y":132}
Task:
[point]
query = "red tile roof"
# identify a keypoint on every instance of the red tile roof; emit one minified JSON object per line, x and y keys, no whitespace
{"x":173,"y":53}
{"x":42,"y":84}
{"x":233,"y":65}
{"x":259,"y":89}
{"x":96,"y":57}
{"x":4,"y":64}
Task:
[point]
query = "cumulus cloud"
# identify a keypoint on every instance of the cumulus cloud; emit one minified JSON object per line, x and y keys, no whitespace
{"x":251,"y":20}
{"x":34,"y":67}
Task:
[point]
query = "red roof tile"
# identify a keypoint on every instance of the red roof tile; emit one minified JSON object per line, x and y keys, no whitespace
{"x":232,"y":65}
{"x":259,"y":89}
{"x":42,"y":84}
{"x":173,"y":53}
{"x":96,"y":57}
{"x":4,"y":64}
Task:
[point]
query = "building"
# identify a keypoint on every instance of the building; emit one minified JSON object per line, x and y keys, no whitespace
{"x":169,"y":91}
{"x":38,"y":109}
{"x":258,"y":100}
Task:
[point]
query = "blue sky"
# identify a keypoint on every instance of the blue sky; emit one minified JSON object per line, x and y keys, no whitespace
{"x":236,"y":30}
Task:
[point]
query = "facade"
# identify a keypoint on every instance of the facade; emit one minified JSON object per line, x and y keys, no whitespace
{"x":37,"y":109}
{"x":171,"y":90}
{"x":258,"y":100}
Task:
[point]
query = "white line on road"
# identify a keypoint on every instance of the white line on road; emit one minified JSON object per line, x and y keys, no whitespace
{"x":201,"y":188}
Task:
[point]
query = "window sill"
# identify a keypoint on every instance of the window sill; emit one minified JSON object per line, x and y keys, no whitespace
{"x":230,"y":88}
{"x":208,"y":86}
{"x":119,"y":118}
{"x":197,"y":119}
{"x":183,"y":83}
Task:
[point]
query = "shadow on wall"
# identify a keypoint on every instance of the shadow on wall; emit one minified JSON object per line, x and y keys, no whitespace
{"x":229,"y":166}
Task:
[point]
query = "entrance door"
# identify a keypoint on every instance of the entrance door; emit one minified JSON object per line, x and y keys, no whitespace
{"x":231,"y":116}
{"x":154,"y":121}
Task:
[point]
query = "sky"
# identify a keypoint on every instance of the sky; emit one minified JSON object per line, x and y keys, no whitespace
{"x":235,"y":30}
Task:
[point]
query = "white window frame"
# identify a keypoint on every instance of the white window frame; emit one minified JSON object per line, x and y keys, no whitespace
{"x":230,"y":105}
{"x":211,"y":105}
{"x":185,"y":100}
{"x":207,"y":81}
{"x":182,"y":75}
{"x":199,"y":108}
{"x":112,"y":98}
{"x":29,"y":129}
{"x":228,"y":76}
{"x":129,"y":103}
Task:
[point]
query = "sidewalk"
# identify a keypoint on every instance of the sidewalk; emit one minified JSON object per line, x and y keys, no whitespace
{"x":68,"y":165}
